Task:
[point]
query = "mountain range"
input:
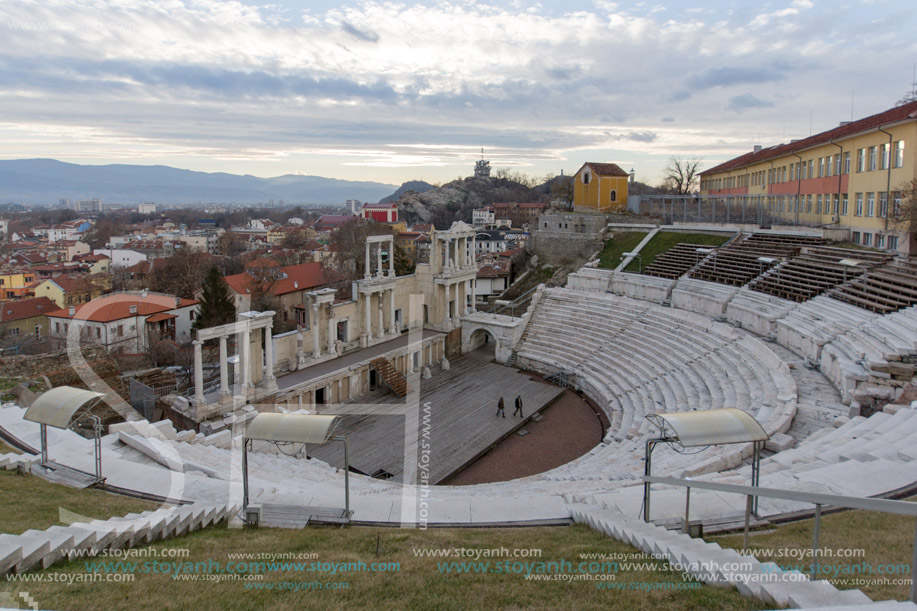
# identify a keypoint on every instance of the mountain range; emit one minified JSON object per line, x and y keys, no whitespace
{"x":46,"y":181}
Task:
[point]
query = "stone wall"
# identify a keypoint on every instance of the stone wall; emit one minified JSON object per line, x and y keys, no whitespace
{"x":564,"y":239}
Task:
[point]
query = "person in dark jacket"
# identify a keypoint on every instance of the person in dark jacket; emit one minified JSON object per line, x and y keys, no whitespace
{"x":518,"y":406}
{"x":500,"y":411}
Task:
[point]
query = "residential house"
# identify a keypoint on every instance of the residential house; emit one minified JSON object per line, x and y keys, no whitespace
{"x":66,"y":291}
{"x":286,"y":286}
{"x":127,"y":323}
{"x":26,"y":317}
{"x":16,"y":284}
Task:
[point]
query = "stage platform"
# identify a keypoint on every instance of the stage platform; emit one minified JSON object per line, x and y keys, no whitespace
{"x":453,"y":423}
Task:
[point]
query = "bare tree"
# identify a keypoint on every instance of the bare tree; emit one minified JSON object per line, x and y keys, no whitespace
{"x":681,"y":175}
{"x":903,"y":212}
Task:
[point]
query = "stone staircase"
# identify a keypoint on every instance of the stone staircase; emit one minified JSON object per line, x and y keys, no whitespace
{"x":714,"y":565}
{"x":39,"y":549}
{"x":393,"y":378}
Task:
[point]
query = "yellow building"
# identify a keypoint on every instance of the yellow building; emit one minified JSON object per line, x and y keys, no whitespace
{"x":600,"y":187}
{"x":15,"y":285}
{"x":25,"y":318}
{"x":849,"y":177}
{"x":66,"y":291}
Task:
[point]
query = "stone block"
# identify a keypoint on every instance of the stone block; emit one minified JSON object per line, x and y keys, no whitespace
{"x":779,"y":442}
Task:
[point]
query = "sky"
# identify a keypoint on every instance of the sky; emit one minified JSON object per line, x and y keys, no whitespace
{"x":397,"y":91}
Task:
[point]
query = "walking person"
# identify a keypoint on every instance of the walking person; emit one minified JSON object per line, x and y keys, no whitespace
{"x":518,"y":406}
{"x":500,"y":411}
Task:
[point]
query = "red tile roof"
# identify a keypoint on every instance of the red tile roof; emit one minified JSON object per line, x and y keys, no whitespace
{"x":496,"y":270}
{"x":118,"y":306}
{"x":298,"y":277}
{"x":25,"y":308}
{"x":388,"y":206}
{"x":904,"y":112}
{"x":606,"y":169}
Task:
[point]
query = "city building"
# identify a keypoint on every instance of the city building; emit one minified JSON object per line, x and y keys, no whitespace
{"x":600,"y":187}
{"x":382,"y":213}
{"x":126,"y":322}
{"x":852,"y":176}
{"x":26,"y":317}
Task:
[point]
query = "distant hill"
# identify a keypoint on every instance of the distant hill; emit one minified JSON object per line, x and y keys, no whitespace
{"x":45,"y":181}
{"x":417,"y":186}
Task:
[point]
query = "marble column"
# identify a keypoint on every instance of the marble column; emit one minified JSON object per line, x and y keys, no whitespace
{"x":391,"y":258}
{"x":391,"y":309}
{"x":332,"y":331}
{"x":268,"y":354}
{"x":474,"y":294}
{"x":316,"y":344}
{"x":447,"y":320}
{"x":367,"y":320}
{"x":198,"y":372}
{"x":224,"y":369}
{"x":381,"y":316}
{"x":379,"y":260}
{"x":366,"y":263}
{"x":246,"y":360}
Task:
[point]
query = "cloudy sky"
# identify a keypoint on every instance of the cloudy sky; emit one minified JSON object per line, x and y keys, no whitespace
{"x":392,"y":91}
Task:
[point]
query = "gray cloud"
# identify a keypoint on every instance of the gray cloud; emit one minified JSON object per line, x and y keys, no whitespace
{"x":740,"y":103}
{"x":367,"y":36}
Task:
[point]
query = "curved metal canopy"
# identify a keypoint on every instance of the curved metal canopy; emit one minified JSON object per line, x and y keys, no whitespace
{"x":292,"y":428}
{"x":710,"y":427}
{"x":57,"y":406}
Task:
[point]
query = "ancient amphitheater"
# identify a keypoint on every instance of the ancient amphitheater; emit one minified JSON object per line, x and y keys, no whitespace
{"x":783,"y":328}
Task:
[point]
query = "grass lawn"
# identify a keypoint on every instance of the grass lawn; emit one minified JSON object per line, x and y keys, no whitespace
{"x":876,"y":539}
{"x":664,"y":240}
{"x":36,"y":503}
{"x":5,"y":448}
{"x":410,"y":581}
{"x":624,"y":241}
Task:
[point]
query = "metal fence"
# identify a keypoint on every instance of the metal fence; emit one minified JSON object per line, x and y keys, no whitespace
{"x":143,"y":398}
{"x":763,"y":210}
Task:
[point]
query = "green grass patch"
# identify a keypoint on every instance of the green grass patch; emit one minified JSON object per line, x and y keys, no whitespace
{"x":6,"y":448}
{"x":664,"y":240}
{"x":36,"y":503}
{"x":622,"y":242}
{"x":855,"y":542}
{"x":411,"y":581}
{"x":7,"y":384}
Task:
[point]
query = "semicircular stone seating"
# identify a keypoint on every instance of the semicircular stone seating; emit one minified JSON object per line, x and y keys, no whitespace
{"x":632,"y":357}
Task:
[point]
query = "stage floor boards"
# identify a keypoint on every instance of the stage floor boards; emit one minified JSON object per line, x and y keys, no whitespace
{"x":453,"y":423}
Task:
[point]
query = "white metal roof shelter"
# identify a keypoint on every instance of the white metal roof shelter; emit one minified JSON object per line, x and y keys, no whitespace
{"x":284,"y":429}
{"x":57,"y":407}
{"x":704,"y":428}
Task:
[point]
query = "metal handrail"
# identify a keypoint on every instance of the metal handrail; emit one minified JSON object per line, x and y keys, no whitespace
{"x":905,"y":508}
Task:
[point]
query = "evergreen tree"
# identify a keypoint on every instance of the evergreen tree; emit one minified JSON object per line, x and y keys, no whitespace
{"x":216,"y":303}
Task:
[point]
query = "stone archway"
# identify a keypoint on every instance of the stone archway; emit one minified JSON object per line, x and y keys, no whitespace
{"x":505,"y":331}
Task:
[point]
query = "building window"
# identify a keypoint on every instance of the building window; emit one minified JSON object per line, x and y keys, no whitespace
{"x":896,"y":203}
{"x":809,"y":204}
{"x":811,"y":168}
{"x":614,"y":195}
{"x":855,"y":237}
{"x":893,"y":242}
{"x":847,"y":162}
{"x":870,"y":203}
{"x":899,"y":154}
{"x":821,"y":167}
{"x":844,"y":204}
{"x":818,"y":205}
{"x":880,"y":240}
{"x":587,"y":177}
{"x":837,"y":205}
{"x":867,"y":239}
{"x":883,"y":204}
{"x":861,"y":160}
{"x":872,"y":158}
{"x":858,"y":211}
{"x":883,"y":159}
